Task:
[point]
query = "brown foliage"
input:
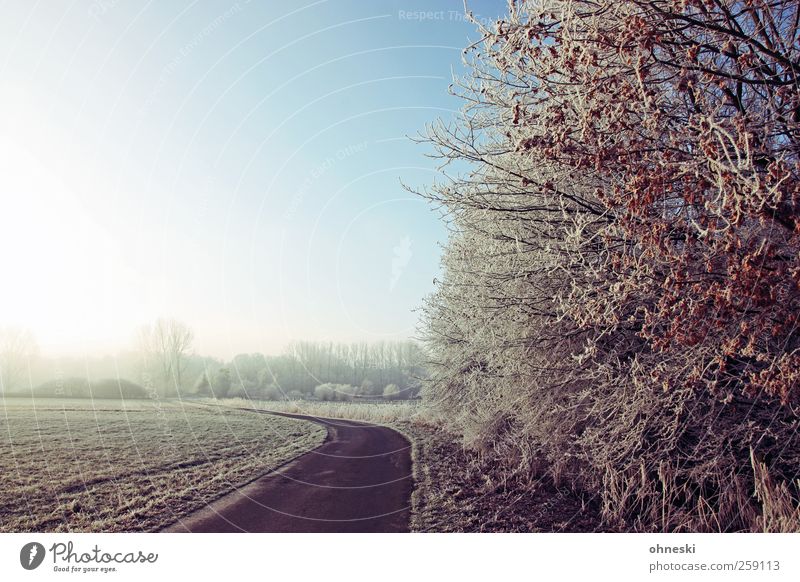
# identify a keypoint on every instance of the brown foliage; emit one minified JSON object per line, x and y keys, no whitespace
{"x":623,"y":284}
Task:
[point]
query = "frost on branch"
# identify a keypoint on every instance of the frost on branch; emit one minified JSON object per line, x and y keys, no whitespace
{"x":622,"y":286}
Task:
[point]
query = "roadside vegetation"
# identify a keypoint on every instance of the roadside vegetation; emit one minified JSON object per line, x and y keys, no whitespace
{"x":620,"y":305}
{"x":456,"y":490}
{"x":374,"y":412}
{"x":617,"y":321}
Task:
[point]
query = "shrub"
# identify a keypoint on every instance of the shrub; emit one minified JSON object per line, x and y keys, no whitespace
{"x":324,"y":392}
{"x":391,"y":392}
{"x":117,"y":388}
{"x":203,"y":387}
{"x":332,"y":392}
{"x":67,"y":387}
{"x":621,"y":289}
{"x":272,"y":392}
{"x":221,"y":384}
{"x":238,"y":390}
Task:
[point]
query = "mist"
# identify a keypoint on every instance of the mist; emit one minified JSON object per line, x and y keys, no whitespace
{"x":162,"y":363}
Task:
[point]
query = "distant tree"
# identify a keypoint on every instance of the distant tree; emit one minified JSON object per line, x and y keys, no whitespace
{"x":265,"y":376}
{"x":248,"y":366}
{"x":367,"y":387}
{"x":202,"y":386}
{"x":237,"y":390}
{"x":17,"y":346}
{"x":166,"y":346}
{"x":345,"y":392}
{"x":272,"y":392}
{"x":196,"y":365}
{"x":221,"y":385}
{"x":325,"y":392}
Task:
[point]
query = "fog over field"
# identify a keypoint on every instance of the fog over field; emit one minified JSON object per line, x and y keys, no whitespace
{"x":163,"y":364}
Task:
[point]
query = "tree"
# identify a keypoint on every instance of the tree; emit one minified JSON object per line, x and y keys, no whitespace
{"x":621,"y":288}
{"x":367,"y":387}
{"x":166,"y":346}
{"x":273,"y":392}
{"x":222,"y":383}
{"x":17,"y":346}
{"x":325,"y":392}
{"x":202,"y":386}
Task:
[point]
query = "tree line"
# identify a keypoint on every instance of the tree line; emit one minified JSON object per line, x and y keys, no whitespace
{"x":163,"y":364}
{"x":322,"y":370}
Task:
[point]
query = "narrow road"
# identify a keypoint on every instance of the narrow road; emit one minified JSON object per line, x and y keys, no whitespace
{"x":359,"y":480}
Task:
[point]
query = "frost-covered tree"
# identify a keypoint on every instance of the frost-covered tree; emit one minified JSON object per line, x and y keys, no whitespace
{"x":165,"y":347}
{"x":221,"y":385}
{"x":621,"y":287}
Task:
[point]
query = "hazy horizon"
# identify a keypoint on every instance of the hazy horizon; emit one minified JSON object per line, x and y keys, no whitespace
{"x":212,"y":164}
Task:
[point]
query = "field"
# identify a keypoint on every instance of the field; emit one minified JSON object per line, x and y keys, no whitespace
{"x":376,"y":412}
{"x":103,"y":465}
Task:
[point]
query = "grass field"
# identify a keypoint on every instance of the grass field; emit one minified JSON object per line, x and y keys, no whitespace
{"x":103,"y":465}
{"x":377,"y":412}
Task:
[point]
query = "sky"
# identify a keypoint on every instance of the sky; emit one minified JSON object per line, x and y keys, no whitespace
{"x":238,"y":166}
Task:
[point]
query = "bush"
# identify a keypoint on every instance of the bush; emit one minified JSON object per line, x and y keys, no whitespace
{"x":203,"y":387}
{"x":620,"y":301}
{"x":368,"y":388}
{"x":335,"y":392}
{"x":221,"y":384}
{"x":117,"y":388}
{"x":391,"y":392}
{"x":66,"y":387}
{"x":324,"y":392}
{"x":273,"y":392}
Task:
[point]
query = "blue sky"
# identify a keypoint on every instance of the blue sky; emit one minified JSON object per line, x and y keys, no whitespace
{"x":236,"y":165}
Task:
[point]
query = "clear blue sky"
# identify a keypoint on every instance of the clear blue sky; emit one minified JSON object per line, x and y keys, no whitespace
{"x":235,"y":165}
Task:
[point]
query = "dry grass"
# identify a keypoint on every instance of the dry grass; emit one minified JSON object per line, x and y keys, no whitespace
{"x":109,"y":466}
{"x":457,"y":491}
{"x":375,"y":412}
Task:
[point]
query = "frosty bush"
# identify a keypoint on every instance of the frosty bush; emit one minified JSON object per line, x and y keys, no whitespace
{"x":621,"y":290}
{"x":331,"y":392}
{"x":391,"y":391}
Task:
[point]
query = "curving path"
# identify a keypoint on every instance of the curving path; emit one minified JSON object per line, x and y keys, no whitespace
{"x":358,"y":480}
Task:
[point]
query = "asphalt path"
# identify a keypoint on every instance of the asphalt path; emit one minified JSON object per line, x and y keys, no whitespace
{"x":358,"y":480}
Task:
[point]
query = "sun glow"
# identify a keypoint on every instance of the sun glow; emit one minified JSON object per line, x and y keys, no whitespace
{"x":63,"y":275}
